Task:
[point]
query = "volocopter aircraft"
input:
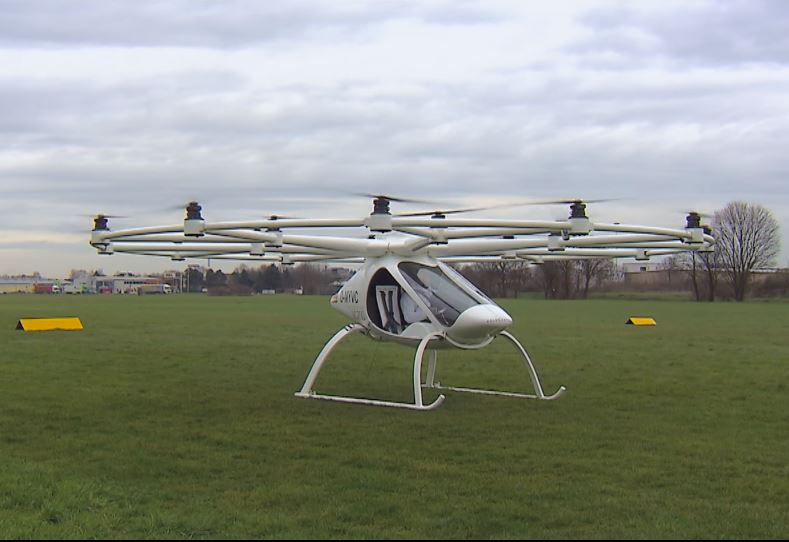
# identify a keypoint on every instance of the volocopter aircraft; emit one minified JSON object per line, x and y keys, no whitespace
{"x":406,"y":290}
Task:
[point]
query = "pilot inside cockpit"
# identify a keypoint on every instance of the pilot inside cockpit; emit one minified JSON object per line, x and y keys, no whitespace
{"x":398,"y":310}
{"x":410,"y":310}
{"x":443,"y":297}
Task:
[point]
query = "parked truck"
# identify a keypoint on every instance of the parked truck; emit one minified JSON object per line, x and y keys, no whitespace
{"x":146,"y":289}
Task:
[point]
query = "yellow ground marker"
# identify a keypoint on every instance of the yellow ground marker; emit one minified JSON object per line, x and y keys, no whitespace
{"x":49,"y":324}
{"x":641,"y":321}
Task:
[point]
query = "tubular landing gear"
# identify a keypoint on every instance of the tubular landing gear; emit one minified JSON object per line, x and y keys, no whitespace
{"x":307,"y":391}
{"x":535,"y":379}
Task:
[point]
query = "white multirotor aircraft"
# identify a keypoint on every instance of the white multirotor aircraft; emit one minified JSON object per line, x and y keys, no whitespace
{"x":405,"y":291}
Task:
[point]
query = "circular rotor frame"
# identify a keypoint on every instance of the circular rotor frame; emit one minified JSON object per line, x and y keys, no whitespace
{"x":284,"y":240}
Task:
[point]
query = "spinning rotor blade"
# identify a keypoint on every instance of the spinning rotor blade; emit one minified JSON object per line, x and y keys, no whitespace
{"x":101,"y":215}
{"x":390,"y":198}
{"x":439,"y":212}
{"x":577,"y":206}
{"x":572,"y":201}
{"x":173,"y":208}
{"x":693,"y":220}
{"x":702,"y":214}
{"x":181,"y":207}
{"x":101,"y":221}
{"x":442,"y":213}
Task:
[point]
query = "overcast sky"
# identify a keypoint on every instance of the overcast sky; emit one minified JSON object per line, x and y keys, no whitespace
{"x":133,"y":107}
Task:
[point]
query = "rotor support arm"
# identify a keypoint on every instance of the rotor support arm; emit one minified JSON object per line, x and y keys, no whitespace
{"x":555,"y":226}
{"x":623,"y":228}
{"x":325,"y":243}
{"x":468,"y":233}
{"x":282,"y":223}
{"x":483,"y":246}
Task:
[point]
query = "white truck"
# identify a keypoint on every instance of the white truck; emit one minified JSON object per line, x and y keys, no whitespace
{"x":146,"y":289}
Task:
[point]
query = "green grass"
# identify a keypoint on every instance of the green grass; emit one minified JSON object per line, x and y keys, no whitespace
{"x":174,"y":417}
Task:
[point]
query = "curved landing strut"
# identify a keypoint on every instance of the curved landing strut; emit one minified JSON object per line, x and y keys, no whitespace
{"x":307,"y":391}
{"x":535,"y":379}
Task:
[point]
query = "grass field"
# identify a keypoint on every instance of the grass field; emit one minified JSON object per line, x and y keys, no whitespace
{"x":174,"y":417}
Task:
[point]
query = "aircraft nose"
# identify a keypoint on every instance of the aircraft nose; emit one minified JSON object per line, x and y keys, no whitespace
{"x":477,"y":323}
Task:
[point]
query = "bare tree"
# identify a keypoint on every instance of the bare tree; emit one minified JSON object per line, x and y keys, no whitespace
{"x":312,"y":278}
{"x":513,"y":276}
{"x":500,"y":278}
{"x":560,"y":279}
{"x":570,"y":278}
{"x":702,"y":270}
{"x":693,"y":270}
{"x":595,"y":270}
{"x":710,"y":263}
{"x":550,"y":279}
{"x":747,"y":238}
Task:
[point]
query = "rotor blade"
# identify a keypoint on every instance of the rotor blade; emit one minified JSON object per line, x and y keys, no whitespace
{"x":181,"y":207}
{"x":390,"y":198}
{"x":703,"y":214}
{"x":101,"y":215}
{"x":571,"y":201}
{"x":439,"y":212}
{"x":501,"y":206}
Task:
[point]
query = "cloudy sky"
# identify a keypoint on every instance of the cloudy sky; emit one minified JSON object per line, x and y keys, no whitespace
{"x":133,"y":107}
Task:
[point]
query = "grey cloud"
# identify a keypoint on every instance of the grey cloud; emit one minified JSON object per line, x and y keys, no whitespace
{"x":717,"y":33}
{"x":174,"y":23}
{"x":155,"y":144}
{"x":680,"y":130}
{"x":207,"y":23}
{"x":139,"y":147}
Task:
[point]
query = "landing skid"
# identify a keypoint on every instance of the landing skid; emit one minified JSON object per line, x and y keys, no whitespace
{"x":535,"y":379}
{"x":307,"y":391}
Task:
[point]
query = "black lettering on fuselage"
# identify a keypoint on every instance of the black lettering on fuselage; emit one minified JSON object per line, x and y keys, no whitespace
{"x":349,"y":296}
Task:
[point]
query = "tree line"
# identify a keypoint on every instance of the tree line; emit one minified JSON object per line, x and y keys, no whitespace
{"x":306,"y":278}
{"x":563,"y":279}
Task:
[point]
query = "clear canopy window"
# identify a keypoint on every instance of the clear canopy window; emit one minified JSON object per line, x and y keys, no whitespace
{"x":445,"y":299}
{"x":460,"y":279}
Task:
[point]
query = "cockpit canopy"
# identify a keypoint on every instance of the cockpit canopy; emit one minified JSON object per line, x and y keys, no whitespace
{"x":445,"y":299}
{"x":419,"y":293}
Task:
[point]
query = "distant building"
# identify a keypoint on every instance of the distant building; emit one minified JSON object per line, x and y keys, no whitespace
{"x":81,"y":283}
{"x":22,"y":285}
{"x":640,"y":267}
{"x":653,"y":275}
{"x":120,"y":284}
{"x":84,"y":282}
{"x":126,"y":284}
